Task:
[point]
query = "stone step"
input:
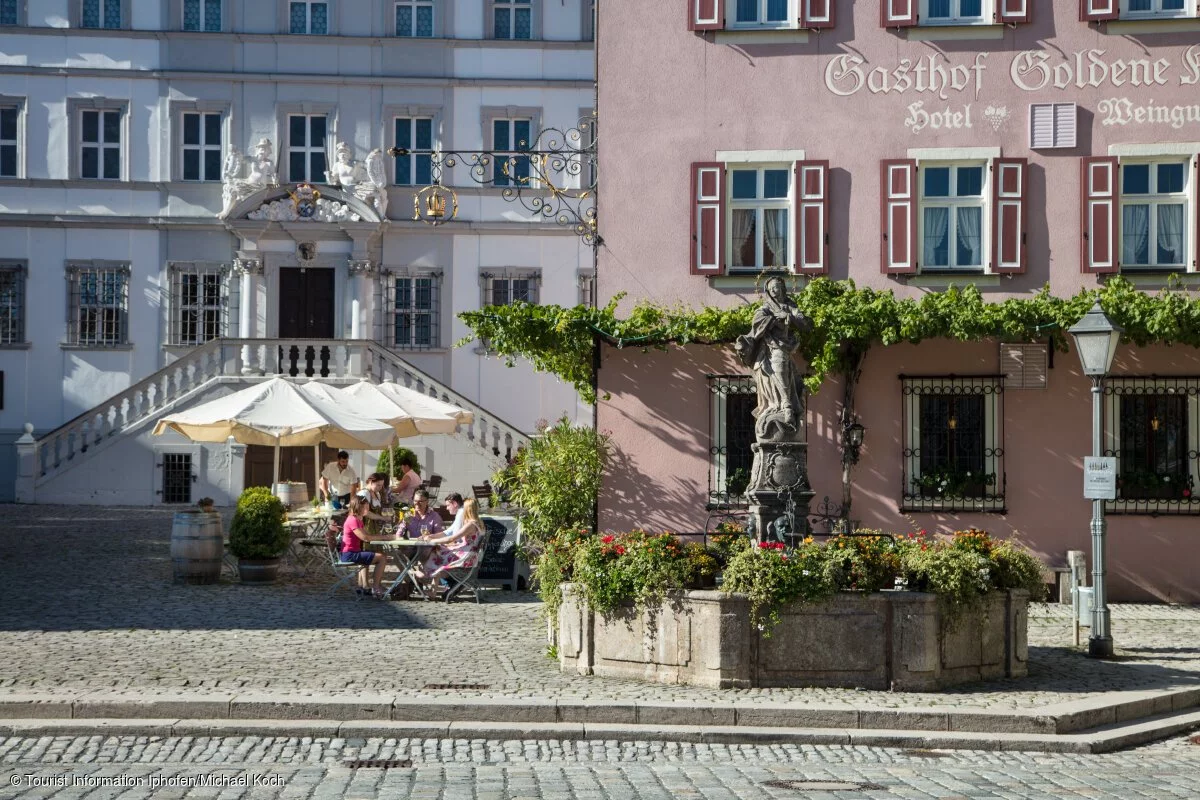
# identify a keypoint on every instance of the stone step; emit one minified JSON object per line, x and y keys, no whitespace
{"x":1100,"y":740}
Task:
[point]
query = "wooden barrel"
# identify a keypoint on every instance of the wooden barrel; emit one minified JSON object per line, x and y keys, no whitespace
{"x":196,"y":547}
{"x":293,"y":494}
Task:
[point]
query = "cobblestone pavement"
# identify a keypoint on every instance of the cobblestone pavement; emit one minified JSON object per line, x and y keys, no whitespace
{"x":109,"y":619}
{"x":144,"y":767}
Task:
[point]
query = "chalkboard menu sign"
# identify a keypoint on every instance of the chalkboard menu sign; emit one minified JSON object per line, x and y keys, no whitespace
{"x":500,"y":552}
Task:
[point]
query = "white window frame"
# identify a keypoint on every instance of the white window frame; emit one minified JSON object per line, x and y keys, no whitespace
{"x":993,"y":437}
{"x":987,"y":12}
{"x":502,"y":155}
{"x":414,"y":5}
{"x":204,"y":146}
{"x":788,"y":204}
{"x":1154,"y":199}
{"x":122,"y":6}
{"x":75,"y":307}
{"x":394,"y":278}
{"x":1157,"y":12}
{"x":201,"y":270}
{"x":15,"y":331}
{"x":412,"y":120}
{"x":983,"y":201}
{"x":101,"y":145}
{"x":512,"y":6}
{"x":308,"y":16}
{"x":1112,"y":433}
{"x":16,"y":105}
{"x":790,"y":21}
{"x":308,"y":149}
{"x":203,"y":16}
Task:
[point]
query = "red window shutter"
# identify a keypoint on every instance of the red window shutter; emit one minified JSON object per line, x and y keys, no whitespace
{"x":899,"y":13}
{"x":1098,"y":191}
{"x":1015,"y":11}
{"x":816,"y":13}
{"x":708,"y":218}
{"x":1096,"y":10}
{"x":706,"y":15}
{"x":812,"y":217}
{"x":898,"y":211}
{"x":1008,"y":214}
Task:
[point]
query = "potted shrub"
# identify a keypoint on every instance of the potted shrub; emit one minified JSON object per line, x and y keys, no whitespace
{"x":258,"y":536}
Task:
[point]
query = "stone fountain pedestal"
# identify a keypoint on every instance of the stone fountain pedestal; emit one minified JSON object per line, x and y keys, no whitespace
{"x":779,"y":489}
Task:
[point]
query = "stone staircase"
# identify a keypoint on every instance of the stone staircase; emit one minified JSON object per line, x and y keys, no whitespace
{"x":336,"y":361}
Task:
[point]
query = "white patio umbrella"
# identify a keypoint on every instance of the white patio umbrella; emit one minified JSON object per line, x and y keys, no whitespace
{"x":277,"y":412}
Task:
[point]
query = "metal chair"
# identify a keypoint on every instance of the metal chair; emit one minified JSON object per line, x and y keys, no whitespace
{"x":342,"y":572}
{"x":433,"y":485}
{"x":466,"y":578}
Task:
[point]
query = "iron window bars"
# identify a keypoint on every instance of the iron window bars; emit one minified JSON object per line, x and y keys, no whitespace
{"x":413,"y":302}
{"x":732,"y":399}
{"x":953,"y":431}
{"x":1152,"y":428}
{"x":177,"y":478}
{"x":98,"y":305}
{"x":199,"y":303}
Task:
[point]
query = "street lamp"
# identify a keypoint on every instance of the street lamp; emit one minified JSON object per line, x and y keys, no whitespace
{"x":1096,"y":338}
{"x":852,"y":441}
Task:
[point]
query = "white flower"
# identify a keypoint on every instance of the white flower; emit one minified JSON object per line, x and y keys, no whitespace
{"x":805,"y":571}
{"x":1166,"y":478}
{"x":762,"y":627}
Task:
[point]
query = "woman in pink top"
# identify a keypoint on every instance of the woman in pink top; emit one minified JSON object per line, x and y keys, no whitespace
{"x":354,"y":534}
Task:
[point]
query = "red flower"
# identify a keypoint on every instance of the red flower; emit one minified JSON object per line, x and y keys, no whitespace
{"x":1187,"y":492}
{"x":607,"y":539}
{"x":620,"y":550}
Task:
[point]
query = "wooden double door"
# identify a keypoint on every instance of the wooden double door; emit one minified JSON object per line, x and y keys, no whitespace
{"x":295,"y":464}
{"x":306,"y":311}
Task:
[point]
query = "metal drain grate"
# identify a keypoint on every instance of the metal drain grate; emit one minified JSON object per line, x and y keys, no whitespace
{"x":378,"y":763}
{"x":456,"y":686}
{"x":824,"y":786}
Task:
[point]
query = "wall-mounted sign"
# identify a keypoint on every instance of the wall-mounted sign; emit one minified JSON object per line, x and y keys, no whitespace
{"x":1100,"y":478}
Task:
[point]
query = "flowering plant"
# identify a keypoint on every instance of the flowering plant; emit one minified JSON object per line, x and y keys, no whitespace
{"x":552,"y":566}
{"x":635,"y":567}
{"x":951,"y":482}
{"x":770,"y":576}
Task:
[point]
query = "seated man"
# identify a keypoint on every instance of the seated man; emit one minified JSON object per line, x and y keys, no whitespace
{"x":338,"y":480}
{"x":423,"y":521}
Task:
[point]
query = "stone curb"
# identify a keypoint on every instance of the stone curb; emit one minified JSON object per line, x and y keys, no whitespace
{"x":1101,"y":740}
{"x":1058,"y":719}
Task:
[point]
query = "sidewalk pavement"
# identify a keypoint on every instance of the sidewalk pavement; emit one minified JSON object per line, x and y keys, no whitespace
{"x":106,"y":641}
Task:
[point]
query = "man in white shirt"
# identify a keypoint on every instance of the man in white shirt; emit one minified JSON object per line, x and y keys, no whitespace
{"x":338,"y":479}
{"x":454,"y":504}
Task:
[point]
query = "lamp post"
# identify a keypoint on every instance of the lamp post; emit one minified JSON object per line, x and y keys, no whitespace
{"x":1096,"y":338}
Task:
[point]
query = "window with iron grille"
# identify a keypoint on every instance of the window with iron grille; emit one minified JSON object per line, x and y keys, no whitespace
{"x":1152,"y":428}
{"x":202,"y":15}
{"x":12,"y":303}
{"x":413,"y":321}
{"x":177,"y":477}
{"x":198,"y":303}
{"x":98,"y":307}
{"x":512,"y":19}
{"x":732,"y":399}
{"x":503,"y":288}
{"x":953,"y":443}
{"x":201,"y":146}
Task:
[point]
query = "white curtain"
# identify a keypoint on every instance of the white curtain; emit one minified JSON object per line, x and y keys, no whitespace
{"x":1170,"y":234}
{"x":742,"y":221}
{"x":1135,"y":228}
{"x":969,"y":242}
{"x":775,"y":244}
{"x":936,"y":220}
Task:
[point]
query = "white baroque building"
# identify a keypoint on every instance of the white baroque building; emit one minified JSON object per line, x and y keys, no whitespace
{"x":195,"y":194}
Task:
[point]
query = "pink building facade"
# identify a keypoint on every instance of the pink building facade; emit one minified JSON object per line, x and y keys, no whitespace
{"x":913,"y":146}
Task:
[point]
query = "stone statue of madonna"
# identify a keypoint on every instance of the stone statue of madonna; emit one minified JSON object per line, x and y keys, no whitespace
{"x":768,"y":350}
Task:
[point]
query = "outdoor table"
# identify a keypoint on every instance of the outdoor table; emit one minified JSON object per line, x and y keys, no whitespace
{"x":308,"y":527}
{"x":405,"y":554}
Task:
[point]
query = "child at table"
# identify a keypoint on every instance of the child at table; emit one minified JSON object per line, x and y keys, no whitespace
{"x":354,"y":534}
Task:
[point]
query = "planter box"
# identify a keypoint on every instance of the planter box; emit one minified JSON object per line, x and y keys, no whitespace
{"x":889,"y":640}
